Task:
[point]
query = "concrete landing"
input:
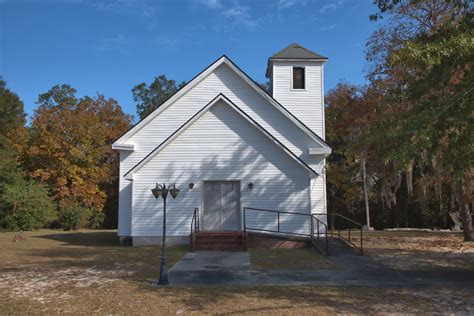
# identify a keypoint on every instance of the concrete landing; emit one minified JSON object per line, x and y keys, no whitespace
{"x":211,"y":268}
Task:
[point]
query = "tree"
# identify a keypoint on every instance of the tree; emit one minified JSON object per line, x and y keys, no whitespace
{"x":266,"y":86}
{"x":427,"y":72}
{"x":12,"y":118}
{"x":26,"y":205}
{"x":150,"y":97}
{"x":70,"y":146}
{"x":351,"y":111}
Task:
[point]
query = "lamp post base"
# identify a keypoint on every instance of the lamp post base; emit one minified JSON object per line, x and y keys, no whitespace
{"x":160,"y":283}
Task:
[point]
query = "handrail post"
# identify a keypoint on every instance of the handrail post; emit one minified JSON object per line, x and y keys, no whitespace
{"x":278,"y":221}
{"x":245,"y":223}
{"x":361,"y":249}
{"x":339,"y":230}
{"x":317,"y":228}
{"x":349,"y":234}
{"x":332,"y":223}
{"x":311,"y":225}
{"x":327,"y":242}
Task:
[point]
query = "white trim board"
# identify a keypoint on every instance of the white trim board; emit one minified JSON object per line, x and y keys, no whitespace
{"x":124,"y":147}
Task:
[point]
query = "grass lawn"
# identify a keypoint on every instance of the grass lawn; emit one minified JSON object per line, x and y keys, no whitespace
{"x":86,"y":272}
{"x":304,"y":258}
{"x":408,"y":250}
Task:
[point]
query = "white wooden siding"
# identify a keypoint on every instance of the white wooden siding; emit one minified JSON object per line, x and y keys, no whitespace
{"x":125,"y":198}
{"x":308,"y":104}
{"x":222,"y":80}
{"x":318,"y":187}
{"x":226,"y":81}
{"x":220,"y":145}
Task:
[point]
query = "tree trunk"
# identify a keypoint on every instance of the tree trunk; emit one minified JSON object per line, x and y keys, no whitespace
{"x":366,"y":194}
{"x":464,"y":209}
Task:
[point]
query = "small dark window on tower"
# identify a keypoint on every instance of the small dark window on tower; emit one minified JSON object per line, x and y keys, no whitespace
{"x":298,"y":78}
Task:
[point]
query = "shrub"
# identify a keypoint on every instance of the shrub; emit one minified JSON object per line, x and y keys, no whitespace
{"x":26,"y":205}
{"x":72,"y":215}
{"x":96,"y":218}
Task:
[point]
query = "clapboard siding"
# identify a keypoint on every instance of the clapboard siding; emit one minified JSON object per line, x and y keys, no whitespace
{"x":308,"y":104}
{"x":125,"y":198}
{"x":220,"y":145}
{"x":200,"y":153}
{"x":222,"y":80}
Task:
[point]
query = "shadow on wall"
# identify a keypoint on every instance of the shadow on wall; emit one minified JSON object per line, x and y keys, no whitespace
{"x":246,"y":95}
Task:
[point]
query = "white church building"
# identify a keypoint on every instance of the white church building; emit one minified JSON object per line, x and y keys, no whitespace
{"x":243,"y":158}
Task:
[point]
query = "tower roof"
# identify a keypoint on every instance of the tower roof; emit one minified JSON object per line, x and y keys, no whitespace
{"x":296,"y":51}
{"x":293,"y":52}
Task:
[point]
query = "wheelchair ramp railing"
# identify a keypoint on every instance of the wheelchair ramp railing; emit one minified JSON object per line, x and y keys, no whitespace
{"x":348,"y":230}
{"x":287,"y":224}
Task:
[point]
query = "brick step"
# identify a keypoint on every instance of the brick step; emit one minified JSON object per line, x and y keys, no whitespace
{"x":218,"y":240}
{"x":218,"y":234}
{"x":223,"y":243}
{"x":219,"y":247}
{"x":205,"y":238}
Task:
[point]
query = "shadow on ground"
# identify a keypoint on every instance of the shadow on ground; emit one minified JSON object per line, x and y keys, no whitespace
{"x":89,"y":238}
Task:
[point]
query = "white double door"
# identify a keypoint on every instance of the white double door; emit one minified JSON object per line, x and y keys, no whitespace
{"x":221,"y":207}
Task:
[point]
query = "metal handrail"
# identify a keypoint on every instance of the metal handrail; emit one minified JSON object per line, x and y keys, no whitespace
{"x":314,"y":237}
{"x":195,"y":227}
{"x":318,"y":223}
{"x":348,"y":239}
{"x":195,"y":221}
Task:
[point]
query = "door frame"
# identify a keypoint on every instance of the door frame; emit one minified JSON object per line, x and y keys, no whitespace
{"x":201,"y":210}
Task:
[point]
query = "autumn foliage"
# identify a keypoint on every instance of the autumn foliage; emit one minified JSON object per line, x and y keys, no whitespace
{"x":411,"y":127}
{"x":66,"y":154}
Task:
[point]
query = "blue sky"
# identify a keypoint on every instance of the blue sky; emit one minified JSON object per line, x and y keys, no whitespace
{"x":109,"y":46}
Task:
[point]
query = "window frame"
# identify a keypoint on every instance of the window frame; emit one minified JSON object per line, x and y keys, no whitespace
{"x":304,"y":78}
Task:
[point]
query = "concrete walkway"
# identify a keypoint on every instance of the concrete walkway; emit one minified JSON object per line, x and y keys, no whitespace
{"x":233,"y":268}
{"x":212,"y":267}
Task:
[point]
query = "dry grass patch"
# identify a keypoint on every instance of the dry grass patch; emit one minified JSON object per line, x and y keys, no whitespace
{"x":409,"y":250}
{"x":47,"y":261}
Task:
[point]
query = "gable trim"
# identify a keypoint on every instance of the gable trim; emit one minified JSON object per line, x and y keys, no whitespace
{"x":201,"y":76}
{"x":187,"y":124}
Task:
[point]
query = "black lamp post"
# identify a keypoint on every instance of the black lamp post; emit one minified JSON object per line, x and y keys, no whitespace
{"x":162,"y":190}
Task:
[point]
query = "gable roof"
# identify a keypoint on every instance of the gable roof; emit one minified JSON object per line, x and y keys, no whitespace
{"x":296,"y":51}
{"x":198,"y":78}
{"x":194,"y":118}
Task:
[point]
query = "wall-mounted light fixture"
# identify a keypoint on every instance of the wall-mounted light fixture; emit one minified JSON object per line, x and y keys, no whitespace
{"x":250,"y":186}
{"x":191,"y":185}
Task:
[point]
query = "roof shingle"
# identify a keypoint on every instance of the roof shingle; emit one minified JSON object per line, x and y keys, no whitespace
{"x":296,"y":51}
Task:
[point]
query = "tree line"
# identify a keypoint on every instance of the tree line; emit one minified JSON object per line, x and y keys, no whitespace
{"x":403,"y":149}
{"x":403,"y":143}
{"x":60,"y":170}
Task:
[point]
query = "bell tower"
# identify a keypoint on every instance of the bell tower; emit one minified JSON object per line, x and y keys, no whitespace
{"x":296,"y":80}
